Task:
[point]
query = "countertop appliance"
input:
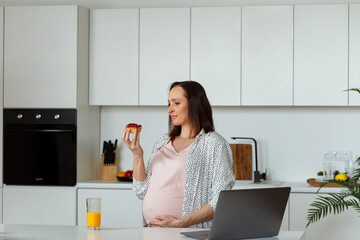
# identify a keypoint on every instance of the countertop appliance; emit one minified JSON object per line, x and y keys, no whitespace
{"x":40,"y":147}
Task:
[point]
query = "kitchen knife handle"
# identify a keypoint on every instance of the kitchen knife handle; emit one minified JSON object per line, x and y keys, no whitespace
{"x":115,"y":144}
{"x":104,"y":146}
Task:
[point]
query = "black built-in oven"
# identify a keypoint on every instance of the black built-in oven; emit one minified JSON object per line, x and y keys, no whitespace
{"x":39,"y":147}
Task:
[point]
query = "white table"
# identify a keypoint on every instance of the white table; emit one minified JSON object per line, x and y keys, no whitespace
{"x":41,"y":232}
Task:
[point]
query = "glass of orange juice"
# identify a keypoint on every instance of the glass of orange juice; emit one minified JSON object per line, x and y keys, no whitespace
{"x":93,"y":209}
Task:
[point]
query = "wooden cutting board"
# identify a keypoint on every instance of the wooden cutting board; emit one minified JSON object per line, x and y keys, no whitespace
{"x":242,"y":161}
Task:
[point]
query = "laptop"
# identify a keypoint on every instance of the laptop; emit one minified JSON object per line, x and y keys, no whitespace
{"x":246,"y":213}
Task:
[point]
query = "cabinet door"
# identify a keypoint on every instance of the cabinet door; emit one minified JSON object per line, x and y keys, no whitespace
{"x":40,"y":57}
{"x":39,"y":205}
{"x":215,"y":53}
{"x":267,"y":55}
{"x":321,"y":55}
{"x":119,"y":207}
{"x":114,"y":54}
{"x":1,"y":202}
{"x":354,"y":53}
{"x":1,"y":90}
{"x":164,"y":52}
{"x":332,"y":227}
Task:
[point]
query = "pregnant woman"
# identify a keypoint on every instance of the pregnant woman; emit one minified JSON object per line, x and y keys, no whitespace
{"x":188,"y":167}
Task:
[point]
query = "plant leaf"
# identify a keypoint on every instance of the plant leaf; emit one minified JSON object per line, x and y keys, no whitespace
{"x":327,"y":204}
{"x":337,"y":203}
{"x":352,"y":89}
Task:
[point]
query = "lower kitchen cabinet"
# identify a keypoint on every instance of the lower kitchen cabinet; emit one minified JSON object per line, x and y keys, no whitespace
{"x":332,"y":227}
{"x":119,"y":207}
{"x":39,"y":205}
{"x":1,"y":209}
{"x":285,"y":222}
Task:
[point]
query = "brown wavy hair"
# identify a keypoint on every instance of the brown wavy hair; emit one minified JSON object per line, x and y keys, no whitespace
{"x":199,"y":109}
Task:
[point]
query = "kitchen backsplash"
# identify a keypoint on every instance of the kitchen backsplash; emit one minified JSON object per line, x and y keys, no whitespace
{"x":291,"y":140}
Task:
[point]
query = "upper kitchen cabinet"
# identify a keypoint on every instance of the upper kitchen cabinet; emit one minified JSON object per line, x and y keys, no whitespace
{"x":320,"y":55}
{"x":114,"y":56}
{"x":40,"y":57}
{"x":267,"y":55}
{"x":354,"y":53}
{"x":164,"y":52}
{"x":215,"y":53}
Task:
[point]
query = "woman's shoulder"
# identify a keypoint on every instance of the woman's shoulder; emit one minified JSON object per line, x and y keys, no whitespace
{"x":214,"y":137}
{"x":162,"y":140}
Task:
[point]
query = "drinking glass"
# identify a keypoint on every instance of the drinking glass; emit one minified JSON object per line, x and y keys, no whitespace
{"x":328,"y":171}
{"x":349,"y":168}
{"x":93,"y":209}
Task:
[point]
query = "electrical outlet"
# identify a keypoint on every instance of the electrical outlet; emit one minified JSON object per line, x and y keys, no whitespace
{"x":336,"y":155}
{"x":327,"y":155}
{"x":346,"y":155}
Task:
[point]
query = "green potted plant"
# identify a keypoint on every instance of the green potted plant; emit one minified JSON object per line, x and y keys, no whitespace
{"x":337,"y":203}
{"x":320,"y":176}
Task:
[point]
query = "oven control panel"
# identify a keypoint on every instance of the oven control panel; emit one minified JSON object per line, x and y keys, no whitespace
{"x":40,"y":116}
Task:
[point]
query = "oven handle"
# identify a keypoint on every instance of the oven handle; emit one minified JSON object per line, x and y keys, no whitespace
{"x":40,"y":130}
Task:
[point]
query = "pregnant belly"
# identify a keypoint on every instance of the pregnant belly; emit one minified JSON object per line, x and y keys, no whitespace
{"x":156,"y":203}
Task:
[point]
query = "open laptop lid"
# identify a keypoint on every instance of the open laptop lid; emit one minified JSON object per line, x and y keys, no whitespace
{"x":249,"y":213}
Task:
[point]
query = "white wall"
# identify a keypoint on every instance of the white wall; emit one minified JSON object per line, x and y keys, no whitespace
{"x":291,"y":139}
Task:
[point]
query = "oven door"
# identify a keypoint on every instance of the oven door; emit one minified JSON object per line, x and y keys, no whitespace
{"x":40,"y":154}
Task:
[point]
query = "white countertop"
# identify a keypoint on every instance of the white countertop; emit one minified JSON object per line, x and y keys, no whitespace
{"x":105,"y":184}
{"x":40,"y":232}
{"x":304,"y":187}
{"x":296,"y":187}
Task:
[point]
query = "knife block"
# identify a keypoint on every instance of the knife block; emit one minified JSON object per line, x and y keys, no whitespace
{"x":107,"y":172}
